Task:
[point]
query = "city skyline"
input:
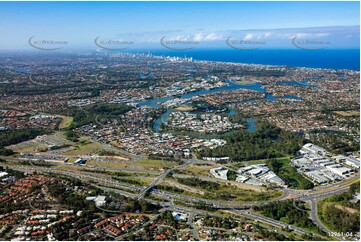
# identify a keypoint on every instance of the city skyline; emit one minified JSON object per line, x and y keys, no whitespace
{"x":180,"y":121}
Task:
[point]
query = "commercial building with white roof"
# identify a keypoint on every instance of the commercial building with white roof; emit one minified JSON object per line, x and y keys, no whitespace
{"x":314,"y":149}
{"x":219,"y":172}
{"x":339,"y":170}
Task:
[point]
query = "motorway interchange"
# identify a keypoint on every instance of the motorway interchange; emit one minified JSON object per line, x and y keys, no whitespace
{"x":238,"y":208}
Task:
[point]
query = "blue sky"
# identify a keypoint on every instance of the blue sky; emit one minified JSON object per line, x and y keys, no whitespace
{"x":209,"y":24}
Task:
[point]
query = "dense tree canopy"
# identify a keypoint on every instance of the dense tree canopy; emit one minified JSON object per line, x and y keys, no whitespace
{"x":339,"y":213}
{"x":19,"y":135}
{"x":287,"y":212}
{"x":99,"y":112}
{"x":267,"y":142}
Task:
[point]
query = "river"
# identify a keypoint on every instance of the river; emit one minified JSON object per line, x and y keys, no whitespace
{"x":230,"y":87}
{"x":251,"y":125}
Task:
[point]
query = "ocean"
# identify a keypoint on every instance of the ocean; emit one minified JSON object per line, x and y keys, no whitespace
{"x":326,"y":58}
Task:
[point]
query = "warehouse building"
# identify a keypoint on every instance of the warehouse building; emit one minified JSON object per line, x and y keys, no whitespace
{"x":219,"y":172}
{"x":314,"y":149}
{"x":339,"y":170}
{"x":317,"y":176}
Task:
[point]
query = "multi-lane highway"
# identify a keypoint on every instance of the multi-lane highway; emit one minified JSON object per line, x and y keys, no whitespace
{"x":139,"y":192}
{"x":162,"y":176}
{"x":314,"y":217}
{"x":269,"y":221}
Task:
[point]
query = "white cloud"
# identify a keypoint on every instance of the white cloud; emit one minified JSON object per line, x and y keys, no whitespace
{"x":268,"y":34}
{"x":206,"y":37}
{"x":202,"y":35}
{"x":307,"y":35}
{"x":214,"y":36}
{"x":248,"y":37}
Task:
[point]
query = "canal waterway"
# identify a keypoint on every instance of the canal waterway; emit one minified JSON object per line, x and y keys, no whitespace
{"x":251,"y":124}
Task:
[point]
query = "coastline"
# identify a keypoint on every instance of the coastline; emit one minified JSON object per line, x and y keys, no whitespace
{"x":198,"y":58}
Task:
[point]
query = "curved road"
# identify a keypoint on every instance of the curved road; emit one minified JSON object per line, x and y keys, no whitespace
{"x":307,"y":196}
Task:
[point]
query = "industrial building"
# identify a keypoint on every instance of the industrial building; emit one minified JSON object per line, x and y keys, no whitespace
{"x":317,"y":176}
{"x":219,"y":172}
{"x":314,"y":164}
{"x":349,"y":161}
{"x":313,"y":149}
{"x":339,"y":170}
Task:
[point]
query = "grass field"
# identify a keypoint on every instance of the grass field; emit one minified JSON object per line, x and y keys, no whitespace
{"x":170,"y":185}
{"x":60,"y":134}
{"x":108,"y":164}
{"x":225,"y":191}
{"x":184,"y":108}
{"x":197,"y":170}
{"x":234,"y":193}
{"x":154,"y":164}
{"x":347,"y":113}
{"x":26,"y":147}
{"x":83,"y":149}
{"x":134,"y":181}
{"x":35,"y":145}
{"x":65,"y":121}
